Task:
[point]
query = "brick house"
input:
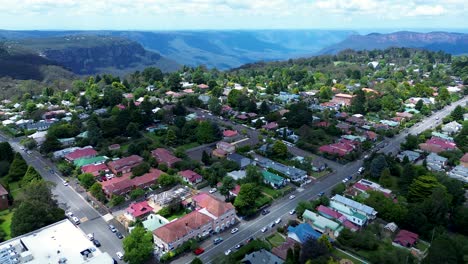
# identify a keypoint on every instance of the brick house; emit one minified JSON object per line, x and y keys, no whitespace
{"x":164,"y":156}
{"x":125,"y":165}
{"x":190,"y":176}
{"x":222,"y":213}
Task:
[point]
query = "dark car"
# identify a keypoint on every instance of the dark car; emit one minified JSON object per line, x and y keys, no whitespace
{"x":217,"y":240}
{"x":119,"y":235}
{"x":265,"y":211}
{"x":250,"y":239}
{"x":96,"y":243}
{"x":321,"y":194}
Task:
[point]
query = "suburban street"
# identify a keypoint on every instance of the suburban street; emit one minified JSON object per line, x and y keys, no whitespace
{"x":280,"y":208}
{"x":70,"y":200}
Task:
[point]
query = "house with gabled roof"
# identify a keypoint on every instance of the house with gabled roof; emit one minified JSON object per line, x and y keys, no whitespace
{"x":360,"y":208}
{"x":125,"y":165}
{"x":302,"y":232}
{"x":164,"y":156}
{"x":222,"y":213}
{"x":190,"y":177}
{"x":322,"y":224}
{"x":273,"y":180}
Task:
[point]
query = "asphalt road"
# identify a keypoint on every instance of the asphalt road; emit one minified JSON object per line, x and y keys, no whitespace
{"x":281,"y":208}
{"x":70,"y":200}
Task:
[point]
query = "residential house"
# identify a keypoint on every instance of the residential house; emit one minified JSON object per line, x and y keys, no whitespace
{"x":349,"y":213}
{"x":223,"y":214}
{"x":342,"y":148}
{"x":152,"y":222}
{"x":452,"y":128}
{"x":442,"y":136}
{"x":39,"y":137}
{"x":204,"y":98}
{"x":302,"y":232}
{"x":464,"y":160}
{"x":113,"y":147}
{"x":261,"y":256}
{"x":86,"y":152}
{"x":138,"y":211}
{"x":282,"y":250}
{"x":237,"y":175}
{"x":460,"y":173}
{"x":86,"y":161}
{"x":286,"y":97}
{"x":125,"y":165}
{"x":368,"y":211}
{"x":322,"y":224}
{"x":295,"y":174}
{"x":437,"y":145}
{"x":406,"y":238}
{"x":41,"y":125}
{"x":435,"y":162}
{"x":164,"y":156}
{"x":234,"y":192}
{"x":342,"y":99}
{"x":174,"y":234}
{"x":273,"y":180}
{"x":242,"y":161}
{"x":3,"y":198}
{"x":389,"y":123}
{"x":412,"y":156}
{"x":371,"y":136}
{"x":190,"y":177}
{"x":123,"y":185}
{"x":225,"y":146}
{"x":62,"y":153}
{"x":335,"y":215}
{"x":405,"y":115}
{"x":344,"y":127}
{"x":66,"y":142}
{"x":95,"y":169}
{"x":362,"y":186}
{"x":318,"y":165}
{"x":270,"y":126}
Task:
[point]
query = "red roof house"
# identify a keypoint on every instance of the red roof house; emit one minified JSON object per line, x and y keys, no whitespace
{"x":230,"y":133}
{"x":406,"y":238}
{"x":203,"y":86}
{"x":328,"y":212}
{"x":164,"y":156}
{"x":214,"y":206}
{"x":146,"y":180}
{"x":270,"y":126}
{"x":437,"y":145}
{"x":125,"y":165}
{"x":190,"y":176}
{"x":139,"y":210}
{"x":81,"y":153}
{"x":235,"y":191}
{"x":464,"y":160}
{"x":95,"y":169}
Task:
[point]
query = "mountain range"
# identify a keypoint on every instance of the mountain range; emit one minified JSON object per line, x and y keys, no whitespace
{"x":121,"y":52}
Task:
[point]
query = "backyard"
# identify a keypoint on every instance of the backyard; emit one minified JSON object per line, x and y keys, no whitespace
{"x":5,"y":222}
{"x":276,"y":240}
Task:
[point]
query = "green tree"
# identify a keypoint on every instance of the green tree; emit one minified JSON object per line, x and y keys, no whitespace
{"x":339,"y":189}
{"x":444,"y":95}
{"x":97,"y":192}
{"x":419,"y":105}
{"x":141,"y":169}
{"x":387,"y":208}
{"x":227,"y":185}
{"x":50,"y":144}
{"x":378,"y":164}
{"x":214,"y":106}
{"x":86,"y":180}
{"x":207,"y":132}
{"x":358,"y":103}
{"x":132,"y":130}
{"x":205,"y":158}
{"x":280,"y":150}
{"x":196,"y":260}
{"x":386,"y":178}
{"x":457,"y":113}
{"x":252,"y":175}
{"x":422,"y":187}
{"x":325,"y":93}
{"x":6,"y":152}
{"x":30,"y":175}
{"x":17,"y":169}
{"x":167,"y":180}
{"x":264,"y":108}
{"x":136,"y":193}
{"x":298,"y":115}
{"x":410,"y":143}
{"x":173,"y":82}
{"x":233,"y":97}
{"x":138,"y":245}
{"x":171,"y":137}
{"x":117,"y":200}
{"x":245,"y":200}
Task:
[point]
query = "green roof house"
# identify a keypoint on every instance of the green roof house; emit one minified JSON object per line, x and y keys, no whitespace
{"x":272,"y":179}
{"x":86,"y":161}
{"x":322,"y":224}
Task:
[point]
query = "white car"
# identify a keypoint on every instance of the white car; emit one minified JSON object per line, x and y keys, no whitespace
{"x":227,"y":252}
{"x":90,"y":236}
{"x":264,"y":229}
{"x":119,"y":255}
{"x":213,"y":190}
{"x":69,"y":214}
{"x":345,"y":180}
{"x":65,"y":183}
{"x":76,"y":220}
{"x":293,"y":211}
{"x":292,"y":197}
{"x":234,"y":230}
{"x":277,"y":221}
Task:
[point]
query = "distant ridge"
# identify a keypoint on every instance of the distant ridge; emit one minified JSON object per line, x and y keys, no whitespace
{"x":454,"y":43}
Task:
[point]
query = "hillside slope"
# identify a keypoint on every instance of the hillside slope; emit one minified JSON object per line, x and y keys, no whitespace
{"x":87,"y":54}
{"x":454,"y":43}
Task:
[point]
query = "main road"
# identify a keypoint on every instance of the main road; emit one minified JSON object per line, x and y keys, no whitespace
{"x":69,"y":199}
{"x":281,"y":208}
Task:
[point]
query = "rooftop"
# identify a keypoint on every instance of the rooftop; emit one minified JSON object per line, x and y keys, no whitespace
{"x":213,"y":205}
{"x":353,"y":204}
{"x":182,"y":226}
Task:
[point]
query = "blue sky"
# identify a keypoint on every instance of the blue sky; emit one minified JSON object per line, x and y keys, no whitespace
{"x":232,"y":14}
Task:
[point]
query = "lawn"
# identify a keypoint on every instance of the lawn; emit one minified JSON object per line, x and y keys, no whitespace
{"x":276,"y":240}
{"x":177,"y":215}
{"x":14,"y":189}
{"x":271,"y":192}
{"x":342,"y":255}
{"x":318,"y":175}
{"x":422,"y":246}
{"x":5,"y":222}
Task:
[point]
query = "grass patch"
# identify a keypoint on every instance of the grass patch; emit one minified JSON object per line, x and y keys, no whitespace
{"x":5,"y":222}
{"x":342,"y":255}
{"x":271,"y":192}
{"x":261,"y":201}
{"x":318,"y":175}
{"x":14,"y":189}
{"x":422,"y":246}
{"x":177,"y":215}
{"x":276,"y":240}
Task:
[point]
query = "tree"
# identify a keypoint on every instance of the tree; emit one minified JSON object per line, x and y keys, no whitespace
{"x":252,"y":175}
{"x":457,"y":113}
{"x":422,"y":187}
{"x":227,"y":185}
{"x":298,"y":115}
{"x":86,"y":180}
{"x":138,"y":245}
{"x":136,"y":193}
{"x":132,"y":130}
{"x":166,"y":180}
{"x":141,"y":169}
{"x":358,"y":103}
{"x":419,"y":105}
{"x":377,"y":165}
{"x":387,"y":208}
{"x":174,"y":81}
{"x":325,"y":93}
{"x":6,"y":152}
{"x":214,"y":106}
{"x":245,"y":200}
{"x":264,"y":108}
{"x":17,"y":169}
{"x":233,"y":97}
{"x":312,"y":249}
{"x":196,"y":260}
{"x":339,"y":189}
{"x":207,"y":132}
{"x":410,"y":143}
{"x":386,"y":178}
{"x":280,"y":150}
{"x":117,"y":200}
{"x":97,"y":192}
{"x":171,"y":137}
{"x":30,"y":175}
{"x":205,"y":158}
{"x":442,"y":250}
{"x":36,"y":208}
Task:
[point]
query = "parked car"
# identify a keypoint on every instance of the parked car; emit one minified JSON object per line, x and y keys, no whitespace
{"x":265,"y":211}
{"x":293,"y":211}
{"x":112,"y":228}
{"x":198,"y":251}
{"x":213,"y":190}
{"x":76,"y":220}
{"x":227,"y":252}
{"x":345,"y":180}
{"x":250,"y":239}
{"x":292,"y":197}
{"x":65,"y":183}
{"x":119,"y":255}
{"x":69,"y":214}
{"x":234,"y":230}
{"x":217,"y":240}
{"x":239,"y":245}
{"x":96,"y":243}
{"x":361,"y":170}
{"x":90,"y":236}
{"x":119,"y":235}
{"x":264,"y":229}
{"x":321,"y":194}
{"x":350,"y":178}
{"x":277,"y":221}
{"x":272,"y":224}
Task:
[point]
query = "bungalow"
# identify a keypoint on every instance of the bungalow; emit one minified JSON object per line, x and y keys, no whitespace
{"x":437,"y":145}
{"x":335,"y":215}
{"x":164,"y":156}
{"x":39,"y":137}
{"x":405,"y":115}
{"x":270,"y":126}
{"x":230,"y":135}
{"x":413,"y":156}
{"x":371,"y":136}
{"x":368,"y":211}
{"x":94,"y":169}
{"x":295,"y":174}
{"x":152,"y":222}
{"x":406,"y":238}
{"x":242,"y":161}
{"x":223,"y":214}
{"x":342,"y":99}
{"x":322,"y":224}
{"x":302,"y":232}
{"x":203,"y":86}
{"x":341,"y":148}
{"x":204,"y":98}
{"x":62,"y":153}
{"x":282,"y":250}
{"x":66,"y":142}
{"x":237,"y":175}
{"x":452,"y":127}
{"x":225,"y":146}
{"x":123,"y":185}
{"x":41,"y":125}
{"x":362,"y":186}
{"x":190,"y":177}
{"x":460,"y":173}
{"x":435,"y":162}
{"x":174,"y":234}
{"x":356,"y":120}
{"x":318,"y":165}
{"x":261,"y":256}
{"x":87,"y":152}
{"x":273,"y":180}
{"x":138,"y":211}
{"x":442,"y":136}
{"x":125,"y":165}
{"x":344,"y":127}
{"x":389,"y":123}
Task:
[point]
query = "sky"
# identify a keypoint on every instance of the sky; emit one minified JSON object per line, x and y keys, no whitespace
{"x":231,"y":14}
